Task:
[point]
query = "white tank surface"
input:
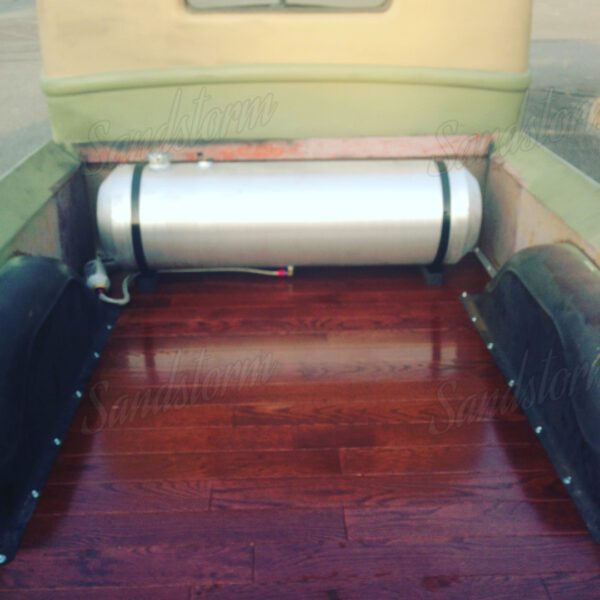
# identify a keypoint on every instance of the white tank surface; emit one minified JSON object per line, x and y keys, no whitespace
{"x":343,"y":212}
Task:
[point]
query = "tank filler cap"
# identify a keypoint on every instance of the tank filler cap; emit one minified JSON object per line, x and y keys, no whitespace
{"x":159,"y":161}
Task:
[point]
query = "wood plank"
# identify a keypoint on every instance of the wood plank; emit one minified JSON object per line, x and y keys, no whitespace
{"x":429,"y":520}
{"x":290,"y":437}
{"x":278,"y":356}
{"x":164,"y":327}
{"x":307,"y":492}
{"x":582,"y":586}
{"x":146,"y":411}
{"x":231,"y":392}
{"x":280,"y":320}
{"x":171,"y":592}
{"x":199,"y":465}
{"x":444,"y":415}
{"x":431,"y":588}
{"x":385,"y":491}
{"x":235,"y":369}
{"x":458,"y":556}
{"x":464,"y":345}
{"x":128,"y":566}
{"x":214,"y":291}
{"x":170,"y":408}
{"x":124,"y":497}
{"x":207,"y":528}
{"x":298,"y":463}
{"x":180,"y":392}
{"x":444,"y":459}
{"x":326,"y":312}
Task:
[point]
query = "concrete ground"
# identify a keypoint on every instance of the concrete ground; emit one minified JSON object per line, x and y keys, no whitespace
{"x":563,"y":108}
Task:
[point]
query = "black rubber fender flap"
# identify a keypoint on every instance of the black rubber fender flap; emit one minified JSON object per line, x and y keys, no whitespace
{"x":540,"y":318}
{"x":52,"y":331}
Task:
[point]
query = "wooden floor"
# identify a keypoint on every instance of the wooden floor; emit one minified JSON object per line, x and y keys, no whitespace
{"x":340,"y":435}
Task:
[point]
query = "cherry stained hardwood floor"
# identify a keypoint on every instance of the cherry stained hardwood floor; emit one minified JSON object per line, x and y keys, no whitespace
{"x":340,"y":435}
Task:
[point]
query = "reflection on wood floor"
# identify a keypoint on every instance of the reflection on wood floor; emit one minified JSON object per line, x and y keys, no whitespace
{"x":340,"y":435}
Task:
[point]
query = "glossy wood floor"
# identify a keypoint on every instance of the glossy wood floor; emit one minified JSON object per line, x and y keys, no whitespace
{"x":340,"y":435}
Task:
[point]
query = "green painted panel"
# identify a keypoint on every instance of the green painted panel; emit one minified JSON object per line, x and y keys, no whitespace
{"x":282,"y":102}
{"x":85,"y":84}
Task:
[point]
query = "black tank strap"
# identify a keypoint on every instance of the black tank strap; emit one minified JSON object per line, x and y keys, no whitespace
{"x":440,"y":256}
{"x":136,"y":231}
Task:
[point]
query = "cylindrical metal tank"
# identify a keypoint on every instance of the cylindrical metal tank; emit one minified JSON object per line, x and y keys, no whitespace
{"x":346,"y":212}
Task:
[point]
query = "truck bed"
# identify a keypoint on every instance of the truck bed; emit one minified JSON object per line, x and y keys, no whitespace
{"x":340,"y":435}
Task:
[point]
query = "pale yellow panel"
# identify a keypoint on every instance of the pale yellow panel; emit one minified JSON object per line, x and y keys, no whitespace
{"x":88,"y":37}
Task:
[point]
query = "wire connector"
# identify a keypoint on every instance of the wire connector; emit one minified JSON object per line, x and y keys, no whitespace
{"x":96,"y":277}
{"x":287,"y":272}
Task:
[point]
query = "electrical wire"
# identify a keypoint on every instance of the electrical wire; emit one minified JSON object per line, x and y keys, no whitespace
{"x":126,"y":298}
{"x":287,"y":272}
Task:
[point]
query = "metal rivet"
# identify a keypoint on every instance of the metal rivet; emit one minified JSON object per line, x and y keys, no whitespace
{"x":474,"y":319}
{"x":511,"y":383}
{"x":109,"y":327}
{"x":568,"y":480}
{"x":78,"y":394}
{"x":57,"y":441}
{"x":490,"y":346}
{"x":538,"y":430}
{"x":464,"y":295}
{"x":35,"y":494}
{"x":96,"y":355}
{"x":3,"y":559}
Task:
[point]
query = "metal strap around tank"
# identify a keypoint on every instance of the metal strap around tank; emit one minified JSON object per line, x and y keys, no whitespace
{"x":440,"y":256}
{"x":136,"y":231}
